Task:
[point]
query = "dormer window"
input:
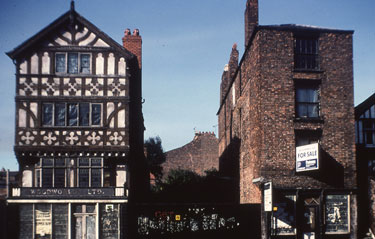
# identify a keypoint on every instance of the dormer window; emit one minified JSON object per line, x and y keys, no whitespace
{"x":73,"y":63}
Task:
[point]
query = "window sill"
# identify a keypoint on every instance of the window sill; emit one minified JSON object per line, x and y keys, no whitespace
{"x":310,"y":120}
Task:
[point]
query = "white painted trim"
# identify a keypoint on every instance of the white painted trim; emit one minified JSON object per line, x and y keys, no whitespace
{"x":69,"y":221}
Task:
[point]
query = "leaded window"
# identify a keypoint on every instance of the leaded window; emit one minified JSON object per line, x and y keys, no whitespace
{"x":73,"y":63}
{"x":90,"y":172}
{"x":71,"y":114}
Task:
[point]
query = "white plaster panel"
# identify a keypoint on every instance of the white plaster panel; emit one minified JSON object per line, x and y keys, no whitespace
{"x":94,"y":87}
{"x":79,"y":35}
{"x":121,"y":119}
{"x":101,"y":43}
{"x":122,"y":67}
{"x":46,"y":62}
{"x":34,"y":110}
{"x":88,"y":40}
{"x":122,"y":89}
{"x":50,"y":87}
{"x":23,"y":67}
{"x":27,"y":178}
{"x":100,"y":64}
{"x":61,"y":42}
{"x":120,"y":176}
{"x":110,"y":109}
{"x":34,"y":64}
{"x":21,"y":118}
{"x":67,"y":35}
{"x":72,"y":88}
{"x":111,"y":64}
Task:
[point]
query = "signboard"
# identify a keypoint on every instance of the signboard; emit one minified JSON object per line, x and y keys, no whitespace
{"x":67,"y":192}
{"x":268,"y":197}
{"x":307,"y":157}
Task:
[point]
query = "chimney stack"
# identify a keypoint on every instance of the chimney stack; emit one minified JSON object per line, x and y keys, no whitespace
{"x":133,"y":43}
{"x":229,"y":71}
{"x":251,"y":19}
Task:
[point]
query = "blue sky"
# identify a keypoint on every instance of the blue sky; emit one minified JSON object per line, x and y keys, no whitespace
{"x":185,"y":47}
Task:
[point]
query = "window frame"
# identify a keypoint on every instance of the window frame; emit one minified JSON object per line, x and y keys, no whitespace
{"x":303,"y":84}
{"x":79,"y":63}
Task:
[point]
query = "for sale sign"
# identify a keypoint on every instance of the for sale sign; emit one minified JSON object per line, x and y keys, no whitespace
{"x":307,"y":157}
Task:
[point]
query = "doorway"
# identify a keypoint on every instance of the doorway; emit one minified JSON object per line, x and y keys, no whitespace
{"x":85,"y":221}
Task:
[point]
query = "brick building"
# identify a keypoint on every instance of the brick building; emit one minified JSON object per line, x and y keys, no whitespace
{"x":286,"y":128}
{"x":199,"y":155}
{"x":79,"y":131}
{"x":365,"y":141}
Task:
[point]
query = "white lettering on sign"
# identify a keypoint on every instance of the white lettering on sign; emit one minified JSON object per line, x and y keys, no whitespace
{"x":307,"y":157}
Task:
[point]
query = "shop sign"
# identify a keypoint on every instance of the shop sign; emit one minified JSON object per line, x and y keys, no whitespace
{"x":268,"y":197}
{"x":307,"y":157}
{"x":67,"y":192}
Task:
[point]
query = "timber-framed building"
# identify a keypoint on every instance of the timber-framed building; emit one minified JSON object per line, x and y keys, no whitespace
{"x":79,"y":130}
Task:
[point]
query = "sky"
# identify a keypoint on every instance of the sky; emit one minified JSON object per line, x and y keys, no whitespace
{"x":185,"y":47}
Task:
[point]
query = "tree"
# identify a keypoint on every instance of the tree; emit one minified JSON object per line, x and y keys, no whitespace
{"x":155,"y":156}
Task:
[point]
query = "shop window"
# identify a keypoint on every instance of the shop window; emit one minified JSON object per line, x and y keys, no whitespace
{"x":337,"y":214}
{"x":43,"y":221}
{"x":71,"y":114}
{"x":73,"y":63}
{"x":284,"y":215}
{"x":307,"y":101}
{"x":306,"y":55}
{"x":84,"y":221}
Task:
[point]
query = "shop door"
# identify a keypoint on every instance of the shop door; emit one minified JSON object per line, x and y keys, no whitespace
{"x":85,"y":222}
{"x":310,"y":219}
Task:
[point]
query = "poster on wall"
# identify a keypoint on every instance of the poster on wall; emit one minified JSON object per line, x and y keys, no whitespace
{"x":43,"y":223}
{"x":268,"y":197}
{"x":337,"y":213}
{"x":307,"y":157}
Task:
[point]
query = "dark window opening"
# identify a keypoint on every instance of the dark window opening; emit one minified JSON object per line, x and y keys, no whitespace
{"x":306,"y":54}
{"x":305,"y":137}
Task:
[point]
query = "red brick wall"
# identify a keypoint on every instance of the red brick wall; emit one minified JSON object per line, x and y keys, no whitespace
{"x":199,"y":155}
{"x":263,"y":117}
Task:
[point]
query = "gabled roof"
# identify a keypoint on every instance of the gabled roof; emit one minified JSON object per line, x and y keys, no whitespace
{"x":66,"y":19}
{"x":365,"y":105}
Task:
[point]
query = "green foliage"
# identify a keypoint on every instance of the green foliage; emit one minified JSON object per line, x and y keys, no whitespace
{"x":181,"y":177}
{"x":187,"y":186}
{"x":155,"y":156}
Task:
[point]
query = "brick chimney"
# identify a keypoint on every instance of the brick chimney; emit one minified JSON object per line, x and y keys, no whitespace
{"x":229,"y":71}
{"x":133,"y":43}
{"x":233,"y":61}
{"x":251,"y":19}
